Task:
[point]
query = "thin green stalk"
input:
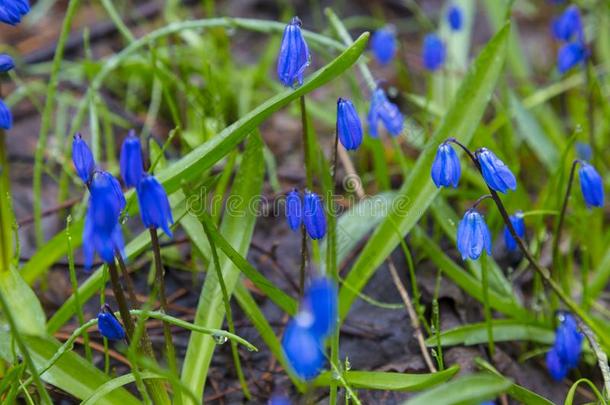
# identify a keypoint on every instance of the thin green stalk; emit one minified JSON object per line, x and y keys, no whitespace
{"x":44,"y":395}
{"x":116,"y":19}
{"x":45,"y":123}
{"x":331,"y":265}
{"x":436,"y":324}
{"x":227,"y":304}
{"x":304,"y":258}
{"x":74,"y":281}
{"x":6,"y":211}
{"x":170,"y":350}
{"x":306,"y":151}
{"x":487,"y":308}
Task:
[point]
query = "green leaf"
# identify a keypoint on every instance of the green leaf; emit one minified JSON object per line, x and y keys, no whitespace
{"x":237,"y":226}
{"x":471,"y":389}
{"x":570,"y":397}
{"x":71,"y":373}
{"x":31,"y":319}
{"x":504,"y":330}
{"x":377,"y":380}
{"x":207,"y":154}
{"x":418,"y":191}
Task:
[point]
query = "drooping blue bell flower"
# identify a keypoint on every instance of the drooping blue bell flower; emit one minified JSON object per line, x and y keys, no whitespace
{"x":132,"y":167}
{"x":383,"y":109}
{"x":109,"y":326}
{"x":6,"y":63}
{"x":473,"y":236}
{"x":383,"y":45}
{"x":102,"y":231}
{"x":455,"y":18}
{"x":557,"y":369}
{"x":302,"y":347}
{"x":294,"y":209}
{"x":446,"y":169}
{"x":591,"y":185}
{"x":349,"y":127}
{"x":583,"y":151}
{"x":294,"y":55}
{"x":82,"y":158}
{"x":433,"y":52}
{"x":568,"y":25}
{"x":321,"y":301}
{"x":314,"y":216}
{"x":570,"y":55}
{"x":519,"y":226}
{"x":567,"y":348}
{"x":6,"y":117}
{"x":154,"y":205}
{"x":496,"y":174}
{"x":11,"y":11}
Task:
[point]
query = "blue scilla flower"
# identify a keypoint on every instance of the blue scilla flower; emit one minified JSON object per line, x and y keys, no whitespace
{"x":383,"y":45}
{"x":132,"y":167}
{"x":349,"y":127}
{"x":6,"y":117}
{"x":294,"y":209}
{"x":321,"y":301}
{"x":519,"y":226}
{"x":11,"y":11}
{"x":433,"y":52}
{"x":496,"y":174}
{"x":446,"y":169}
{"x":82,"y":158}
{"x":302,"y":347}
{"x":455,"y":18}
{"x":294,"y":54}
{"x":570,"y":55}
{"x":154,"y":205}
{"x":6,"y":63}
{"x":473,"y":235}
{"x":567,"y":348}
{"x":314,"y":217}
{"x":557,"y":369}
{"x":583,"y":151}
{"x":591,"y":185}
{"x":102,"y":231}
{"x":568,"y":25}
{"x":383,"y":109}
{"x":109,"y":326}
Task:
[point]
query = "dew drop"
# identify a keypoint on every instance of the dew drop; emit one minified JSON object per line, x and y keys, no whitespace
{"x":220,"y":339}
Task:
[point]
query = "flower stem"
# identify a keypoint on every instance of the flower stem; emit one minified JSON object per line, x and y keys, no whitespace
{"x":331,"y":262}
{"x":306,"y":150}
{"x":304,"y":256}
{"x":486,"y":307}
{"x":559,"y":228}
{"x":170,"y":350}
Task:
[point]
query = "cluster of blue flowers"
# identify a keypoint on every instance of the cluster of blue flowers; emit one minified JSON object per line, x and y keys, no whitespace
{"x":305,"y":334}
{"x":307,"y":211}
{"x":102,"y":231}
{"x":568,"y":29}
{"x":11,"y":12}
{"x":566,"y":350}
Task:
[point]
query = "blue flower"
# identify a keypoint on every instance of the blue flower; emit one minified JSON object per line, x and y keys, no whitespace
{"x":583,"y":151}
{"x":570,"y":55}
{"x":294,"y":54}
{"x":314,"y":217}
{"x":383,"y":109}
{"x":567,"y":348}
{"x":454,"y":17}
{"x":302,"y":347}
{"x":433,"y":52}
{"x":109,"y":326}
{"x":82,"y":158}
{"x":591,"y":185}
{"x":11,"y":11}
{"x":6,"y":63}
{"x":321,"y":300}
{"x":383,"y":45}
{"x":349,"y":128}
{"x":519,"y":226}
{"x":102,"y":231}
{"x":278,"y":399}
{"x":568,"y":25}
{"x":473,"y":236}
{"x":496,"y":174}
{"x":6,"y":118}
{"x":132,"y":168}
{"x":446,"y":169}
{"x":154,"y":205}
{"x":294,"y":209}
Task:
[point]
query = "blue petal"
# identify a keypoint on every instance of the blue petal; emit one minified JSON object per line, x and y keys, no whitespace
{"x":555,"y":366}
{"x":132,"y":167}
{"x":294,"y":56}
{"x":154,"y":205}
{"x":349,"y":128}
{"x":433,"y":52}
{"x":383,"y":45}
{"x":303,"y":348}
{"x":110,"y":327}
{"x":454,"y":16}
{"x":82,"y":159}
{"x":591,"y":185}
{"x":570,"y":55}
{"x":314,"y":216}
{"x":294,"y":209}
{"x":321,"y":300}
{"x":6,"y":118}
